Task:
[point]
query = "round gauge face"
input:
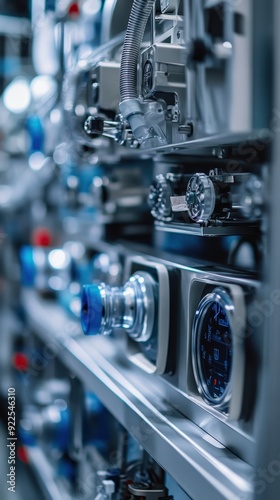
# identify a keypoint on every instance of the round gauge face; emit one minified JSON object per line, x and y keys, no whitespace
{"x":213,"y":349}
{"x":159,"y":199}
{"x":200,"y":198}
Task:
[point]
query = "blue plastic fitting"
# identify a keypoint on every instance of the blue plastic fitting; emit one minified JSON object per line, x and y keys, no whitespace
{"x":50,"y":5}
{"x":62,"y":431}
{"x":36,"y":133}
{"x":26,"y":437}
{"x":91,"y":310}
{"x":28,"y":268}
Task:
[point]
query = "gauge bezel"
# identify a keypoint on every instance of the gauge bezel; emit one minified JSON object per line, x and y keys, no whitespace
{"x":222,"y":297}
{"x":160,"y":183}
{"x":209,"y":203}
{"x":134,"y":265}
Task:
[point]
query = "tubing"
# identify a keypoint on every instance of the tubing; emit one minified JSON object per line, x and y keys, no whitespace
{"x":140,"y":12}
{"x":130,"y":106}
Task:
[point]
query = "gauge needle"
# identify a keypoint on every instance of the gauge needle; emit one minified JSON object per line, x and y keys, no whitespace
{"x":218,"y":308}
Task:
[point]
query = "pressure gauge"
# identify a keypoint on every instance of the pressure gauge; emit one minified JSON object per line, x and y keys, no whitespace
{"x":159,"y":199}
{"x":212,"y":347}
{"x":200,"y":198}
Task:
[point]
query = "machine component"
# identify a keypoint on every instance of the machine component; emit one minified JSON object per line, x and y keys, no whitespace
{"x":90,"y":101}
{"x":163,"y":78}
{"x":159,"y":198}
{"x":162,"y":73}
{"x":200,"y":198}
{"x":218,"y":331}
{"x":121,"y":131}
{"x":130,"y":106}
{"x":131,"y":307}
{"x":148,"y":492}
{"x":141,"y":308}
{"x":175,"y":103}
{"x":121,"y":191}
{"x":164,"y":194}
{"x":106,"y":490}
{"x":162,"y":101}
{"x":232,"y":203}
{"x":104,"y":90}
{"x":139,"y":16}
{"x":213,"y":347}
{"x":154,"y":355}
{"x":218,"y":44}
{"x":223,"y":196}
{"x":156,"y":116}
{"x":118,"y":130}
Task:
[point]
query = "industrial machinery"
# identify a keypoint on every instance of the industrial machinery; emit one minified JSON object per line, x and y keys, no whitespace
{"x":143,"y":303}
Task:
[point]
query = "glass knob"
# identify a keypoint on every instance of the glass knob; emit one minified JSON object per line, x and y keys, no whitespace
{"x":131,"y":307}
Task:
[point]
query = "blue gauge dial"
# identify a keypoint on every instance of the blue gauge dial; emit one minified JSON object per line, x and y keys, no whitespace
{"x":213,"y":347}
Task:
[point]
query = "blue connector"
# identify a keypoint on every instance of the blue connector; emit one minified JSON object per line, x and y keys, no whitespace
{"x":50,"y":5}
{"x":91,"y":311}
{"x":28,"y":268}
{"x":36,"y":133}
{"x":61,"y":435}
{"x":130,"y":307}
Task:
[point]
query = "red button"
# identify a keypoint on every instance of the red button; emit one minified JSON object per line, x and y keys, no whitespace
{"x":41,"y":237}
{"x":20,"y":361}
{"x":74,"y":9}
{"x":22,"y":454}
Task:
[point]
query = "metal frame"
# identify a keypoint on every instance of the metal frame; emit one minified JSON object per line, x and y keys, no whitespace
{"x":196,"y":461}
{"x":266,"y":476}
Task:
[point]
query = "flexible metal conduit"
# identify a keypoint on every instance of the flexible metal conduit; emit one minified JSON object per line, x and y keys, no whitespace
{"x":140,"y":12}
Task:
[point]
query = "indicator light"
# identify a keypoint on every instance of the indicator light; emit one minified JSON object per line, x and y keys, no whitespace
{"x":20,"y":361}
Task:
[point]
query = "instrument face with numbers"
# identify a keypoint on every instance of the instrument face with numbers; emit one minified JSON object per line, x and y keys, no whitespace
{"x":212,"y":353}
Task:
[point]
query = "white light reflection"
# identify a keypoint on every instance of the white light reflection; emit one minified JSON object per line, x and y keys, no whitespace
{"x":17,"y":96}
{"x":58,"y":259}
{"x":43,"y":86}
{"x":36,"y":160}
{"x":56,"y":283}
{"x":55,"y":116}
{"x":91,"y":7}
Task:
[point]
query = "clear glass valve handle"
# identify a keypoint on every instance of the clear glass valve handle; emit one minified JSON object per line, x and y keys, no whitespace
{"x":131,"y":307}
